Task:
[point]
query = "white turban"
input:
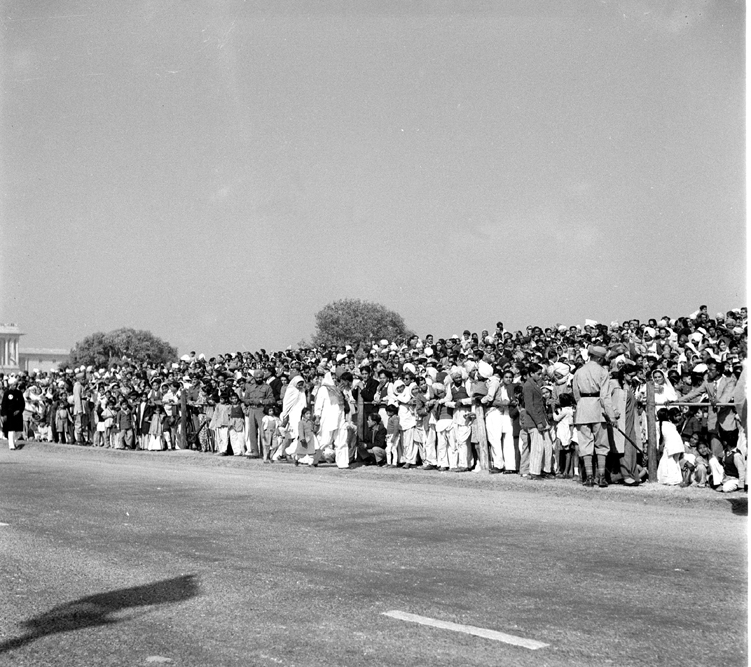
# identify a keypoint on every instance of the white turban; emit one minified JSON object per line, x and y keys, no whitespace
{"x":484,"y":369}
{"x":561,"y":369}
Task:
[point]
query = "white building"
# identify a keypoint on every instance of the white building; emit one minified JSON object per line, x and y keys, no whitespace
{"x":42,"y":359}
{"x":10,"y":336}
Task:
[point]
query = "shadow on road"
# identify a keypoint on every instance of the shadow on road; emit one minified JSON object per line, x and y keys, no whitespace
{"x":739,"y":506}
{"x":97,"y":609}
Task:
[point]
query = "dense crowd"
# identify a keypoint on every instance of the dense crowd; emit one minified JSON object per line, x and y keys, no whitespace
{"x":563,"y":401}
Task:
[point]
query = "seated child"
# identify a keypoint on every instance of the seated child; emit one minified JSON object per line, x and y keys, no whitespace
{"x":734,"y":470}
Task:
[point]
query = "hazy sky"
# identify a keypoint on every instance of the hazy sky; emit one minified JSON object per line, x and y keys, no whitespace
{"x":217,"y":172}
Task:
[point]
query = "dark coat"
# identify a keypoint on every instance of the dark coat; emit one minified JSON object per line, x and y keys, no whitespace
{"x":368,"y":389}
{"x":11,"y":410}
{"x":534,"y":403}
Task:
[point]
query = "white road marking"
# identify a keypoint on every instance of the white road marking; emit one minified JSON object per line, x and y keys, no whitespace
{"x":4,"y":524}
{"x":467,"y":629}
{"x":158,"y":658}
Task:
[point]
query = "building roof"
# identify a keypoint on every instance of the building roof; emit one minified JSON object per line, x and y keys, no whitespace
{"x":47,"y":351}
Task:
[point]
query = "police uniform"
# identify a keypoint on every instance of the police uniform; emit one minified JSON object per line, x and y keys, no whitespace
{"x":590,"y":387}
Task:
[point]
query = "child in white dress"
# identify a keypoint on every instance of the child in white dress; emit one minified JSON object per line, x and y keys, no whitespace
{"x":669,"y":469}
{"x":564,"y":429}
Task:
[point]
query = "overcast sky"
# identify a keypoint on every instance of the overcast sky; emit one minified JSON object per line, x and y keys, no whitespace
{"x":216,"y":172}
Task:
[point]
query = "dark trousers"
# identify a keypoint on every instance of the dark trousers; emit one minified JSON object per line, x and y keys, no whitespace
{"x":627,"y":461}
{"x":255,"y":433}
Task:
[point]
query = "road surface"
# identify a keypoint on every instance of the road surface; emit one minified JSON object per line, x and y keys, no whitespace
{"x":138,"y":558}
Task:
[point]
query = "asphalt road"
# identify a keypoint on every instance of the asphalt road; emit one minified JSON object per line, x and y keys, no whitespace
{"x":131,"y":558}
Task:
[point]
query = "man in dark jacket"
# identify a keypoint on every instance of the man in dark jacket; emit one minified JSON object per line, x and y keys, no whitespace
{"x":373,"y":450}
{"x":541,"y":448}
{"x":11,"y":412}
{"x":367,"y":390}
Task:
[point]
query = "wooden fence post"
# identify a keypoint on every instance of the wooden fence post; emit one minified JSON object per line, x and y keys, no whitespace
{"x":651,"y":433}
{"x":183,"y":439}
{"x":360,"y":418}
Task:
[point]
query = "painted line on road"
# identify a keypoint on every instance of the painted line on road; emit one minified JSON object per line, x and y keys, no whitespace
{"x":4,"y":524}
{"x":467,"y":629}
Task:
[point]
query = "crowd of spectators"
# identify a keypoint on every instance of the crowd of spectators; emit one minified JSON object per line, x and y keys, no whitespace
{"x":498,"y":401}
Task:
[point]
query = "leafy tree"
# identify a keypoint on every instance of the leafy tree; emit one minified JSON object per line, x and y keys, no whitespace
{"x":352,"y":321}
{"x":104,"y":349}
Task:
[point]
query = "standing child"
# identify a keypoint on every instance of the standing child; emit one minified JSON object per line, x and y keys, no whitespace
{"x":106,"y":416}
{"x":563,"y":416}
{"x":206,"y":435}
{"x":270,"y":426}
{"x":669,"y":469}
{"x":124,"y":426}
{"x":220,"y":423}
{"x":156,"y":429}
{"x":304,"y":447}
{"x":236,"y":424}
{"x":393,"y":433}
{"x":64,"y":420}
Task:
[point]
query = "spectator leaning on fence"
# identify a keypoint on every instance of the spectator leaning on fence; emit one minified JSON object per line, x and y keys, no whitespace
{"x":495,"y":402}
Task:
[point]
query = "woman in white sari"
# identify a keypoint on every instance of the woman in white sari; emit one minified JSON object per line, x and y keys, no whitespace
{"x":669,"y":468}
{"x":295,"y":401}
{"x":664,"y":391}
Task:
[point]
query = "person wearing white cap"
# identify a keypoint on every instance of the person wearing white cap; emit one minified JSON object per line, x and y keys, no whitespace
{"x":257,"y":396}
{"x":428,"y":449}
{"x":407,"y":423}
{"x":459,"y":443}
{"x":719,"y":385}
{"x":171,"y":402}
{"x":497,"y":428}
{"x":11,"y":412}
{"x":79,"y":412}
{"x":649,"y":344}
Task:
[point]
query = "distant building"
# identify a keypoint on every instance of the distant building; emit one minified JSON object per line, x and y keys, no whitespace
{"x":41,"y":358}
{"x":10,"y":335}
{"x":14,"y":359}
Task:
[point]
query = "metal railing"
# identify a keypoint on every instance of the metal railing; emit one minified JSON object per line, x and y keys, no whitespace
{"x":651,"y":412}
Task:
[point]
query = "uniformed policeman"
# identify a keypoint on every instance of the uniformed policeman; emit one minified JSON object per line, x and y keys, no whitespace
{"x":593,"y":409}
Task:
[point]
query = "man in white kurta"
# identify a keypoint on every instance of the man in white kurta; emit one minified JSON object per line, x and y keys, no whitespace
{"x":330,"y":414}
{"x":496,"y":404}
{"x":407,"y":424}
{"x":460,"y":402}
{"x":443,"y":426}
